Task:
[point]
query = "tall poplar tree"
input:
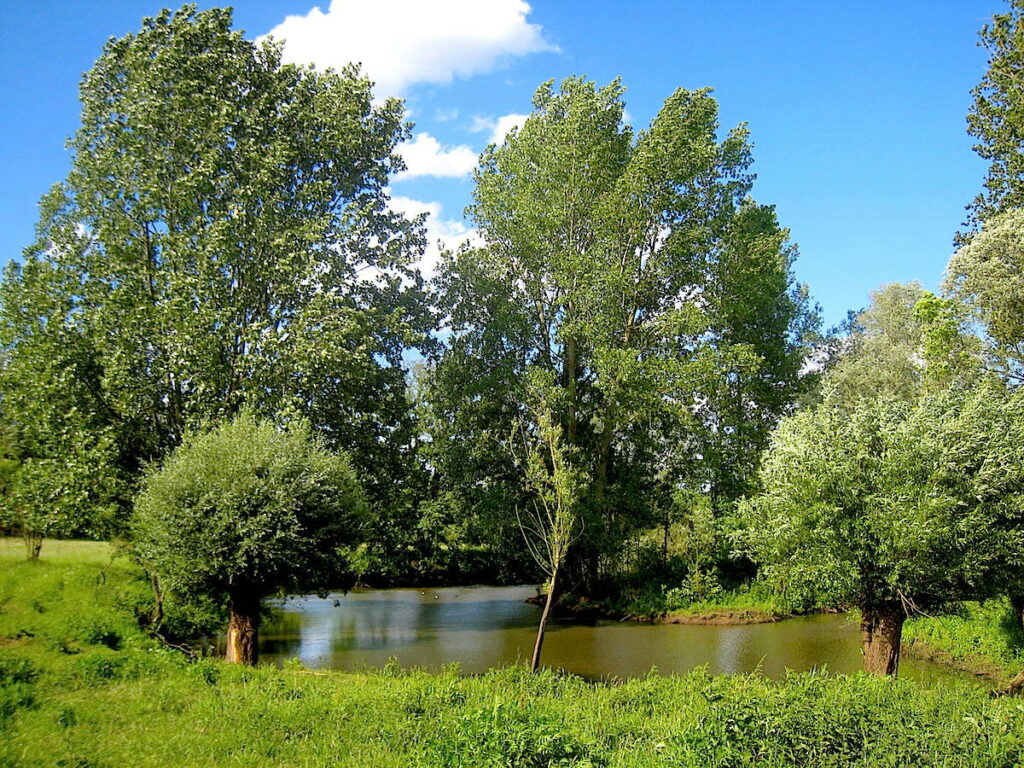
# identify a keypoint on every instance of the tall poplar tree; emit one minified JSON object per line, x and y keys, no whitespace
{"x":222,"y":240}
{"x":606,"y":263}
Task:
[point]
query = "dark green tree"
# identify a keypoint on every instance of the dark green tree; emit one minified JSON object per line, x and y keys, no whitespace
{"x":223,"y":240}
{"x":756,"y":306}
{"x":996,"y":118}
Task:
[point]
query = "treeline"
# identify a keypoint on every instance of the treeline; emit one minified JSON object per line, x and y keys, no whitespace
{"x":224,"y":243}
{"x":622,"y":380}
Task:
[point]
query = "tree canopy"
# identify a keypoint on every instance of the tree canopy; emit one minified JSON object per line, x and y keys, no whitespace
{"x":614,"y":262}
{"x":995,"y":116}
{"x":222,"y":240}
{"x":985,"y":275}
{"x":890,"y":506}
{"x":248,"y":509}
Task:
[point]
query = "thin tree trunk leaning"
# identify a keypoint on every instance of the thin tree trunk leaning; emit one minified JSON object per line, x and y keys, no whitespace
{"x":881,"y":630}
{"x":243,"y":627}
{"x":535,"y":661}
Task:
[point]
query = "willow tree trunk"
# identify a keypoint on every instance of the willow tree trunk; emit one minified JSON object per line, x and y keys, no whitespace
{"x":243,"y":627}
{"x":535,"y":661}
{"x":881,"y":630}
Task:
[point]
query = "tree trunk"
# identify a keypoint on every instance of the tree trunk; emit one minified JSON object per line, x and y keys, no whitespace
{"x":243,"y":627}
{"x":33,"y":543}
{"x":1017,"y":601}
{"x":535,"y":661}
{"x":602,"y":518}
{"x":667,"y":522}
{"x":881,"y":629}
{"x":156,"y":618}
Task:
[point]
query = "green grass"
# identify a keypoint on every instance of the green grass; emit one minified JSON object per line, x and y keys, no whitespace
{"x":56,"y":550}
{"x":749,"y":601}
{"x":979,"y":637}
{"x":81,"y":685}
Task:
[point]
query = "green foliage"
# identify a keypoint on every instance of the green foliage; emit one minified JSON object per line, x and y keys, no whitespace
{"x":758,"y":310}
{"x":222,"y":240}
{"x":906,"y":341}
{"x":702,"y":596}
{"x":61,"y":473}
{"x":550,"y":521}
{"x":995,"y":116}
{"x":985,"y":275}
{"x":674,"y":565}
{"x":251,"y":506}
{"x":694,"y":538}
{"x":981,"y":637}
{"x":949,"y":352}
{"x":633,"y":270}
{"x":751,"y":600}
{"x":886,"y":501}
{"x":74,"y":495}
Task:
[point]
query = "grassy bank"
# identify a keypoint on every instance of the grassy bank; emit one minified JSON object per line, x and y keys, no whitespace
{"x":81,"y":685}
{"x":747,"y":604}
{"x":57,"y":551}
{"x":982,"y":638}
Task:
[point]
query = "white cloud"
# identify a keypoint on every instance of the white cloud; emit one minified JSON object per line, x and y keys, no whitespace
{"x":442,"y":234}
{"x":401,"y":42}
{"x":499,"y":127}
{"x":424,"y":156}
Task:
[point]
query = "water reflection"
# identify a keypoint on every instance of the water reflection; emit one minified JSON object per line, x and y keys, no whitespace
{"x":484,"y":627}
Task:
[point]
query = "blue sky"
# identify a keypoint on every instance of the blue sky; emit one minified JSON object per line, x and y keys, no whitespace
{"x":857,"y":110}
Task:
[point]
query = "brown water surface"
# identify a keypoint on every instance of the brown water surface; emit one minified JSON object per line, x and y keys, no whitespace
{"x":484,"y":627}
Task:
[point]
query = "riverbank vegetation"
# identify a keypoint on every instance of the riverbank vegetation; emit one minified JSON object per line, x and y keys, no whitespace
{"x":620,"y":387}
{"x":82,"y":683}
{"x":983,"y":638}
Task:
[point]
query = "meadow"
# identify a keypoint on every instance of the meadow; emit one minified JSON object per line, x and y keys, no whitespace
{"x":81,"y":684}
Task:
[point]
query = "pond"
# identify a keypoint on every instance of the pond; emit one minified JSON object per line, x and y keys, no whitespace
{"x":484,"y":627}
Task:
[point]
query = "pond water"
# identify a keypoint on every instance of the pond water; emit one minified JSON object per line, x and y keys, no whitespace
{"x":484,"y":627}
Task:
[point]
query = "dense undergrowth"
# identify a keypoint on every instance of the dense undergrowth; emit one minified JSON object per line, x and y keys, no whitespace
{"x":82,"y":685}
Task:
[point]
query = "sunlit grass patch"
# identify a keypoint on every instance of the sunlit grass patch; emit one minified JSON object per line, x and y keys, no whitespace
{"x":58,"y":550}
